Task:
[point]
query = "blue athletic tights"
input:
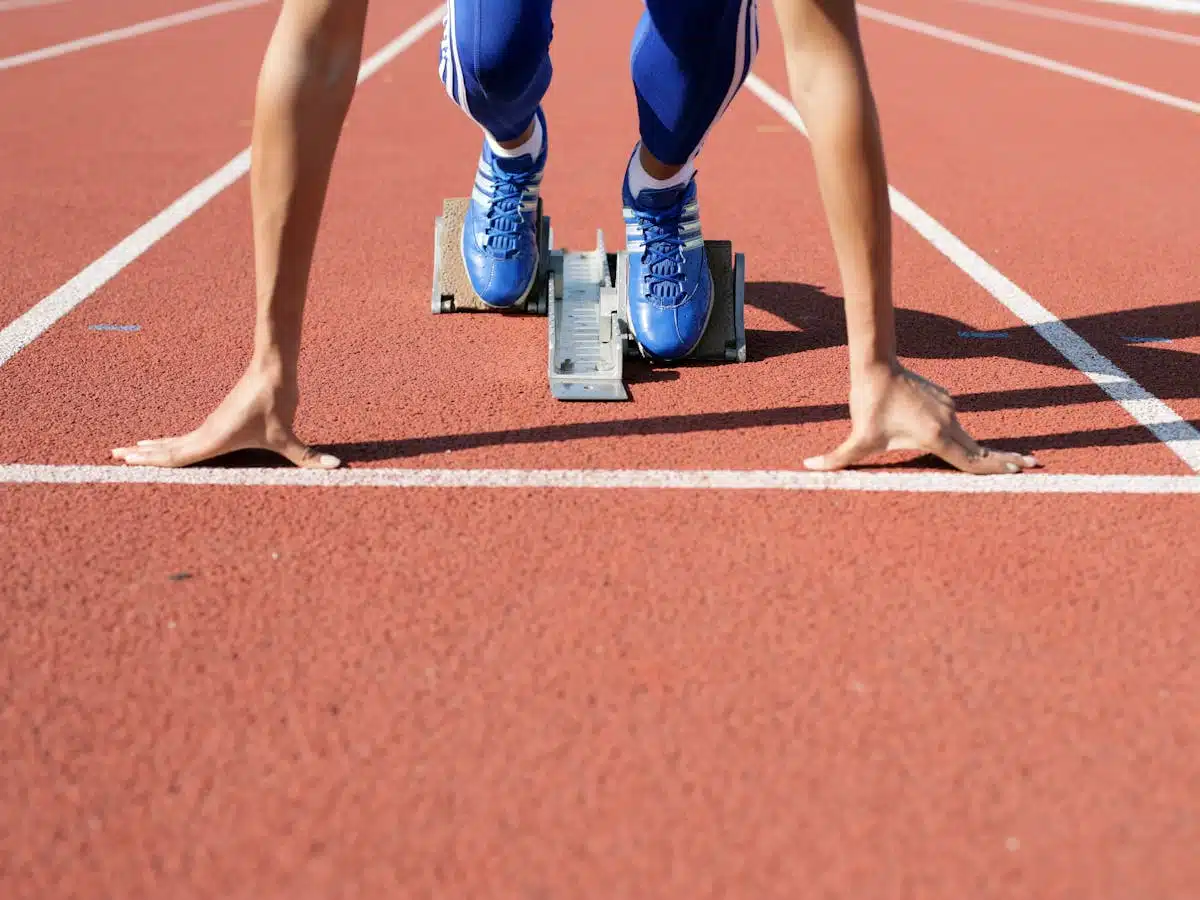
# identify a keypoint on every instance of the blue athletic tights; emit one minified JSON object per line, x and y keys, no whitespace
{"x":688,"y":60}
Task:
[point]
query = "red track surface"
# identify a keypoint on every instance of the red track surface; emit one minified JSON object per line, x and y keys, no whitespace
{"x":539,"y":693}
{"x":1149,"y":62}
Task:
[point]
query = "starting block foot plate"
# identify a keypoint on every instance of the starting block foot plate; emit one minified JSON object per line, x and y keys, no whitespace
{"x":452,"y":290}
{"x":589,"y":319}
{"x":725,"y":338}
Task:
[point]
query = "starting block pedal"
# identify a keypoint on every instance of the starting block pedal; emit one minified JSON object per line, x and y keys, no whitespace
{"x":589,"y":319}
{"x":585,"y":296}
{"x":452,"y":291}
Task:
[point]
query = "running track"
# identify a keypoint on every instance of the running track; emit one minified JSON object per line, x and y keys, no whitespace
{"x":898,"y":687}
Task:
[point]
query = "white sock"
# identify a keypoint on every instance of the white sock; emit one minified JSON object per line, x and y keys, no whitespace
{"x":531,"y":147}
{"x":640,"y":179}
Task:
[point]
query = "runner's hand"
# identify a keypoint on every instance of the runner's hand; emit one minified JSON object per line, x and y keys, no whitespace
{"x":256,"y":415}
{"x":899,"y":410}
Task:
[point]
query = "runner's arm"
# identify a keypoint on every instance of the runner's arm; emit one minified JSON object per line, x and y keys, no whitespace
{"x":827,"y":75}
{"x":891,"y":408}
{"x":305,"y":88}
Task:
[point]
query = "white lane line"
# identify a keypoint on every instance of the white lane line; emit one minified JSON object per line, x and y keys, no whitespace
{"x":1163,"y":422}
{"x":32,"y":324}
{"x":1032,"y":59}
{"x":1170,"y":6}
{"x":1062,"y":15}
{"x":132,"y":31}
{"x":28,"y":327}
{"x":627,"y":479}
{"x":7,"y":5}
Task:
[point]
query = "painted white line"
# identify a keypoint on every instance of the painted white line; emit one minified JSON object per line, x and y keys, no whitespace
{"x":610,"y":479}
{"x":1062,"y":15}
{"x":7,"y":5}
{"x":26,"y":329}
{"x":132,"y":31}
{"x":1032,"y":59}
{"x":1169,"y":6}
{"x":1163,"y":422}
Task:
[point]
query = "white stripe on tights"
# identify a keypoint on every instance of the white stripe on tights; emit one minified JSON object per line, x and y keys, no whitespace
{"x":456,"y":84}
{"x":747,"y":26}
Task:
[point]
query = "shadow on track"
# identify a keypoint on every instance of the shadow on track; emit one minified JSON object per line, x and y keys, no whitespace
{"x":818,"y":321}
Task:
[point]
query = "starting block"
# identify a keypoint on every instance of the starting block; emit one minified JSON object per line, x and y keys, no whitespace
{"x":585,"y":297}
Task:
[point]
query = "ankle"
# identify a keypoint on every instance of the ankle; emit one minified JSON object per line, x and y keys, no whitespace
{"x":271,"y":367}
{"x":648,"y":173}
{"x":655,"y":168}
{"x":527,"y":144}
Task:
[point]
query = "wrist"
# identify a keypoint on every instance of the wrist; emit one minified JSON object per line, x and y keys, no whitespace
{"x":872,"y":343}
{"x":871,"y":326}
{"x":269,"y":366}
{"x":873,"y":367}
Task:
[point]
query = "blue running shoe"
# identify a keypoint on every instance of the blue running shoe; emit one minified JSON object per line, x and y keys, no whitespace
{"x":670,"y":288}
{"x":499,"y":238}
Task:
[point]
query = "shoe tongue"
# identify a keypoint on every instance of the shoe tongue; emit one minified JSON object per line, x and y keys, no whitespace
{"x":659,"y":199}
{"x":513,"y":165}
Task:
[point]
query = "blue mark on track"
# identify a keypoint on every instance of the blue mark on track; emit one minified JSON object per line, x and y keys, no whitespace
{"x":984,"y":335}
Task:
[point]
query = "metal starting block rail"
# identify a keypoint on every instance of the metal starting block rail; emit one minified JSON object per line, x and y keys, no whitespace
{"x":585,"y":296}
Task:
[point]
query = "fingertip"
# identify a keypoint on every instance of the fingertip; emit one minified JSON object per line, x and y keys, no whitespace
{"x":309,"y":459}
{"x":821,"y":464}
